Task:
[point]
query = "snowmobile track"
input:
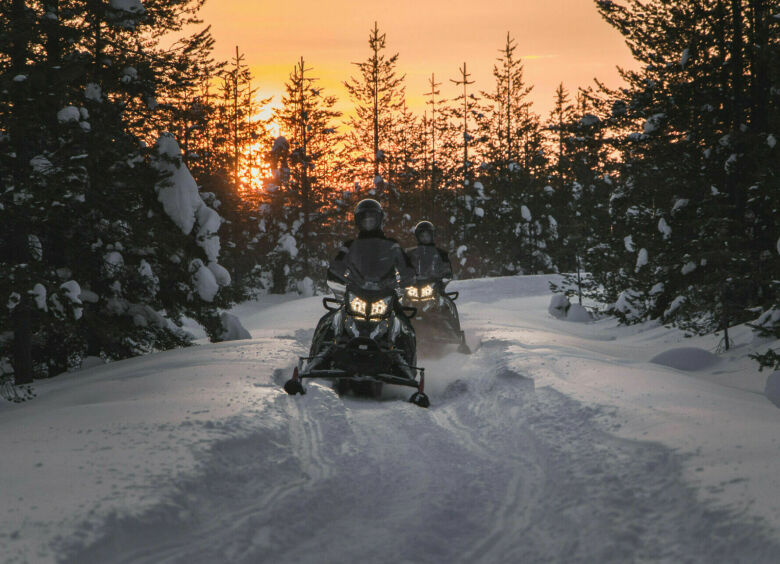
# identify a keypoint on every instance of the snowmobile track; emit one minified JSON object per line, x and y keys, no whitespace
{"x":494,"y":471}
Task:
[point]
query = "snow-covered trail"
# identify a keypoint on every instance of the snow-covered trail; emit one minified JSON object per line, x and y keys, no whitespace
{"x":553,"y":442}
{"x":495,"y":471}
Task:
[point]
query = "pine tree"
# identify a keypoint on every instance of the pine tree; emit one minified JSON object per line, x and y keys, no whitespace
{"x":697,"y":176}
{"x":378,"y":95}
{"x":108,"y":273}
{"x":301,"y":200}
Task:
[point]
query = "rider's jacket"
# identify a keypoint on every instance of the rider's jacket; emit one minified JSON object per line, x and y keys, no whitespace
{"x":430,"y":262}
{"x":372,"y":262}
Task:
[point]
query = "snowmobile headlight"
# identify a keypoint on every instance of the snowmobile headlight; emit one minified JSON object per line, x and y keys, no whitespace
{"x":426,"y":291}
{"x":378,"y":309}
{"x":411,"y":291}
{"x":357,"y":305}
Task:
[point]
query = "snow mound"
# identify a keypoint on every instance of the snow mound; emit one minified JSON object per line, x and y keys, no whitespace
{"x":578,"y":314}
{"x":686,"y":358}
{"x":558,"y":306}
{"x":233,"y":330}
{"x":561,"y":308}
{"x":772,"y":389}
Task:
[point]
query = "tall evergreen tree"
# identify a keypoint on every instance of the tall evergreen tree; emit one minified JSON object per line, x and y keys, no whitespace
{"x":301,"y":197}
{"x":378,"y":94}
{"x":698,"y":181}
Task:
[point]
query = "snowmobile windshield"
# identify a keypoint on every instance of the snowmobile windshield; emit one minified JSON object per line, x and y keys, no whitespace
{"x":372,"y":264}
{"x":428,"y":263}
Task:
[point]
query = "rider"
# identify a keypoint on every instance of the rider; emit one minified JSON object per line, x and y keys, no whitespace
{"x":429,"y":261}
{"x":372,"y":260}
{"x":432,"y":264}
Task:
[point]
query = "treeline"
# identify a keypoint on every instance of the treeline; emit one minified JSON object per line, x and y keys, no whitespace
{"x":661,"y":196}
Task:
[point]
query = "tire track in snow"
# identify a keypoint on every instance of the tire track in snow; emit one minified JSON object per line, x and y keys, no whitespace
{"x":493,"y":472}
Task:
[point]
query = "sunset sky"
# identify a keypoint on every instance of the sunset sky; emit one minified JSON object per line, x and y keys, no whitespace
{"x":559,"y":40}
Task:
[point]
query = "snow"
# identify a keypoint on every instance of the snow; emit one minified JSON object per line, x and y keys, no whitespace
{"x":306,"y":287}
{"x":288,"y":245}
{"x":674,"y":306}
{"x":20,"y":78}
{"x":628,"y":243}
{"x":679,"y":204}
{"x":686,"y":358}
{"x":73,"y":293}
{"x":688,"y":267}
{"x":559,"y":304}
{"x":730,"y":162}
{"x":132,"y":6}
{"x":221,"y":275}
{"x":145,"y":269}
{"x":641,"y":259}
{"x":113,"y":262}
{"x":39,"y":296}
{"x":35,"y":246}
{"x":664,"y":228}
{"x":578,"y":314}
{"x":41,"y":165}
{"x":589,"y":120}
{"x":233,"y":330}
{"x":479,"y":212}
{"x":69,"y":114}
{"x":772,"y":388}
{"x":179,"y":193}
{"x":685,"y":57}
{"x":771,"y":141}
{"x":204,"y":280}
{"x":208,"y":222}
{"x":652,"y":123}
{"x":526,"y":213}
{"x":553,"y":442}
{"x":93,"y":92}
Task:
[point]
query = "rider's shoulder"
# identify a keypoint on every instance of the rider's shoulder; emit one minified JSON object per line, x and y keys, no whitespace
{"x":443,"y":254}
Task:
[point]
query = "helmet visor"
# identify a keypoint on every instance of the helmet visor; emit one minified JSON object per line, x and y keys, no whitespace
{"x":368,"y":221}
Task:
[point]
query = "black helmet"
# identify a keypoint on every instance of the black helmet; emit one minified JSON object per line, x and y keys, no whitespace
{"x":424,"y":227}
{"x":368,"y":215}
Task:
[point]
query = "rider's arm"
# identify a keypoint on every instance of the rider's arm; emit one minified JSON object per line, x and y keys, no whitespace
{"x":446,"y":265}
{"x":404,"y":266}
{"x":338,"y":269}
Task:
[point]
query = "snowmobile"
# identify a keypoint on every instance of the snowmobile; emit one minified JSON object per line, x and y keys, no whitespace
{"x":436,"y":321}
{"x":362,"y":344}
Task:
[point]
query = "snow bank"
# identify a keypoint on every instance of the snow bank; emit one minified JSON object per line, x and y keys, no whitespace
{"x":233,"y":330}
{"x":686,"y":358}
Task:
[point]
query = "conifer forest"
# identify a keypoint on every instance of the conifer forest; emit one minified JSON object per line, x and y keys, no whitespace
{"x":140,"y":187}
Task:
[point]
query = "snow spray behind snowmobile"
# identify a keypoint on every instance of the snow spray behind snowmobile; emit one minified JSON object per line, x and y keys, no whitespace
{"x":437,"y":321}
{"x":364,"y":342}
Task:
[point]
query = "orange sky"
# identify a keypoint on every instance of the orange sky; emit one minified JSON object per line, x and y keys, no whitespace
{"x":559,"y":40}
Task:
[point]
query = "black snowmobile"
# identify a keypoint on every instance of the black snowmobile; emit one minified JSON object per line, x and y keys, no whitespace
{"x":436,"y":321}
{"x":362,"y":344}
{"x":366,"y":339}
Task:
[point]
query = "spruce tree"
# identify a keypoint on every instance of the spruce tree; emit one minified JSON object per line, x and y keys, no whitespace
{"x":378,"y":94}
